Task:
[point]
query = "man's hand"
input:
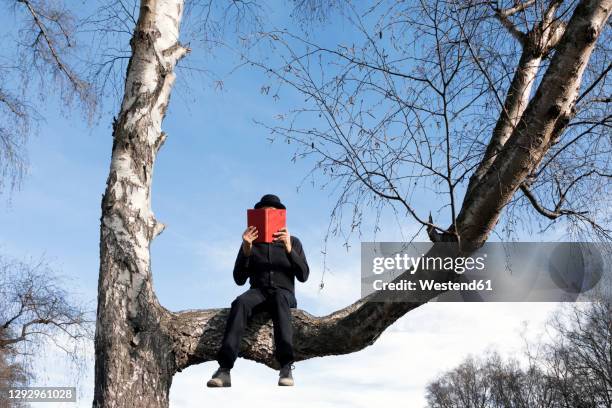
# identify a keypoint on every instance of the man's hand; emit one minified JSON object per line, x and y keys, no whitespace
{"x":248,"y":236}
{"x":283,"y":236}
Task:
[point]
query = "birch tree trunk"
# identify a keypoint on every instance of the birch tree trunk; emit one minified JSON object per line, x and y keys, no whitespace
{"x":140,"y":345}
{"x":132,"y":368}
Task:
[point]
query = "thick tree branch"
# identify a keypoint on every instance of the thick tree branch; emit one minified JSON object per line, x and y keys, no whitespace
{"x":535,"y":46}
{"x":547,"y":113}
{"x":197,"y":333}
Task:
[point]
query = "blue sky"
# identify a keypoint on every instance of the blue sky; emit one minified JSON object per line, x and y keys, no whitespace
{"x":215,"y":164}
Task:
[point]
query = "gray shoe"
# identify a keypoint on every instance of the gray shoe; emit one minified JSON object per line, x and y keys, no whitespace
{"x":221,"y":378}
{"x":285,"y":378}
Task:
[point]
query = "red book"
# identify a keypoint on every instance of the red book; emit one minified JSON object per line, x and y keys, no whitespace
{"x":267,"y":221}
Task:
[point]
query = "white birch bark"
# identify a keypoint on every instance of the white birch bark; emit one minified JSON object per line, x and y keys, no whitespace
{"x":536,"y":44}
{"x":546,"y":115}
{"x":131,"y":367}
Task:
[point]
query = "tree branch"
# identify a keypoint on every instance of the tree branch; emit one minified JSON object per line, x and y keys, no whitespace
{"x":552,"y":106}
{"x":197,"y":334}
{"x":43,"y":31}
{"x":551,"y":214}
{"x":503,"y":15}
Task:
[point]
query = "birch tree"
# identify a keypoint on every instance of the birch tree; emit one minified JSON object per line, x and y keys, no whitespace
{"x":140,"y":345}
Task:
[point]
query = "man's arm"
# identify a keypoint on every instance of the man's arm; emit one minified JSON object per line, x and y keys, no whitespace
{"x":242,"y":270}
{"x":298,"y":260}
{"x":241,"y":267}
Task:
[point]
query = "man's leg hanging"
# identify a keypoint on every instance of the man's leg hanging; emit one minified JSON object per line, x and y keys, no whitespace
{"x":240,"y":312}
{"x":280,"y":309}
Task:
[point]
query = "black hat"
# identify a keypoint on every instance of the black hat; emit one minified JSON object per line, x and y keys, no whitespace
{"x":270,"y":200}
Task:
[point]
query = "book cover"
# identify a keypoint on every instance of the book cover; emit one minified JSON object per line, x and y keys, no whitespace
{"x":267,"y":221}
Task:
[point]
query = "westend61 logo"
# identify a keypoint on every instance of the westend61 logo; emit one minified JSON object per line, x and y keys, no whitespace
{"x":496,"y":272}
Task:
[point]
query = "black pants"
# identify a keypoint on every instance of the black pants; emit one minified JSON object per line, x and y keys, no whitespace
{"x":277,"y":302}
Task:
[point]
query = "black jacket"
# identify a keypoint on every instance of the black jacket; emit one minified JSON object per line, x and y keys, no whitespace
{"x":269,"y":265}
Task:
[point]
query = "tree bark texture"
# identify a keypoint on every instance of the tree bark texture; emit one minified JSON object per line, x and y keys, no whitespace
{"x":546,"y":115}
{"x":132,"y":367}
{"x":536,"y":44}
{"x":139,"y":345}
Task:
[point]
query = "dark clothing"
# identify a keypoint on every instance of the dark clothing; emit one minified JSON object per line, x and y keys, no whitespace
{"x":276,"y":301}
{"x":269,"y":265}
{"x":271,"y":272}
